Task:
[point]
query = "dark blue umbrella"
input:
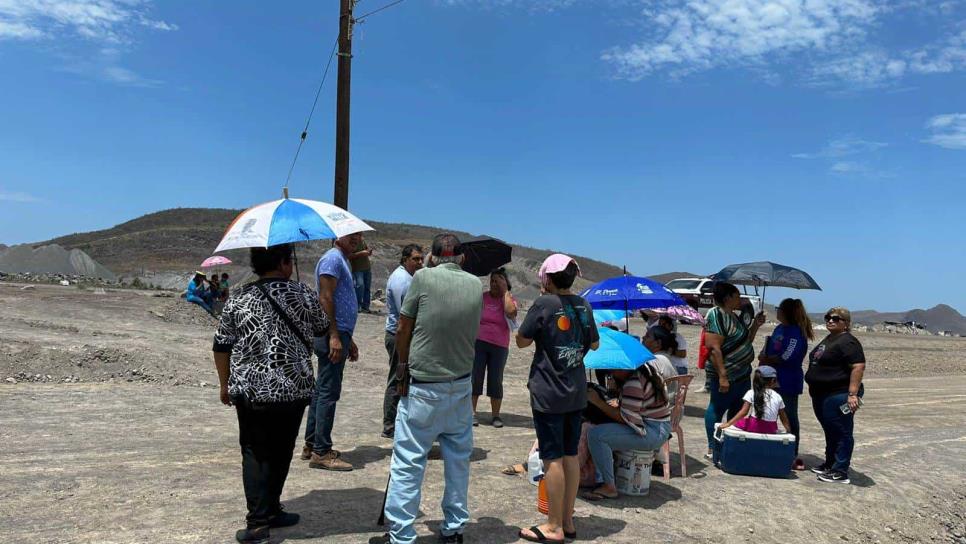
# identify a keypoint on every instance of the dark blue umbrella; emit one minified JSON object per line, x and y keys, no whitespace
{"x":764,"y":274}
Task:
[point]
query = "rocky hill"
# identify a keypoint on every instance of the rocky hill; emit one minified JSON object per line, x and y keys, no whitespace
{"x":936,"y":319}
{"x":51,"y":259}
{"x":163,"y":248}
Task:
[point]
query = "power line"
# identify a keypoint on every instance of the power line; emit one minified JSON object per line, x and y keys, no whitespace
{"x":308,"y":121}
{"x":387,"y":6}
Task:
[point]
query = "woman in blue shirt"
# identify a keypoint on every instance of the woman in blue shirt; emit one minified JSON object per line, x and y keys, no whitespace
{"x":785,"y":350}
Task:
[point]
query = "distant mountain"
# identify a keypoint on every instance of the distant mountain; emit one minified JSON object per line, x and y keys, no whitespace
{"x":938,"y":318}
{"x":51,"y":259}
{"x":164,"y":247}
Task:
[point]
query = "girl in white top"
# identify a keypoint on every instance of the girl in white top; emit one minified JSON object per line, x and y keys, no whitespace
{"x":762,"y":407}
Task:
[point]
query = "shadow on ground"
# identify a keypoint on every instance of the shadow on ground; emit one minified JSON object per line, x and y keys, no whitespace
{"x":509,"y":420}
{"x":858,"y":479}
{"x":331,"y":512}
{"x":660,"y":494}
{"x":495,"y":531}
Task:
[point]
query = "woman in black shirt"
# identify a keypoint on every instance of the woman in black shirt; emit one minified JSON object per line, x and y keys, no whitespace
{"x":834,"y":379}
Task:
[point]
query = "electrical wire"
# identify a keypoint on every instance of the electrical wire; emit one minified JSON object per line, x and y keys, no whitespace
{"x":308,"y":121}
{"x":387,"y":6}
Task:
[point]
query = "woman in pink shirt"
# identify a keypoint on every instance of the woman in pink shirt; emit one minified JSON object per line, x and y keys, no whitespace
{"x":493,"y":343}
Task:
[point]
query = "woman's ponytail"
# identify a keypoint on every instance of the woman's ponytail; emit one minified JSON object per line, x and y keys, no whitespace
{"x":760,"y":389}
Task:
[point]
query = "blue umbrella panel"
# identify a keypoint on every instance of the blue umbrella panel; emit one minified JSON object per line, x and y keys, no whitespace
{"x":628,"y":293}
{"x":617,"y":351}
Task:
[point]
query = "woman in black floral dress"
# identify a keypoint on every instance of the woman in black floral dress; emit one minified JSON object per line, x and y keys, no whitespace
{"x":263,"y":354}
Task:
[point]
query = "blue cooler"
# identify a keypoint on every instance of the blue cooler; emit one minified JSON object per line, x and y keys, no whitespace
{"x":753,"y":454}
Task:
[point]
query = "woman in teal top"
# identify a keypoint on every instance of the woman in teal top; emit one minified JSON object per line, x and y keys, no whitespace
{"x":728,"y":377}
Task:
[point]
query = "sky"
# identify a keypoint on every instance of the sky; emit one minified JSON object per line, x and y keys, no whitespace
{"x":664,"y":135}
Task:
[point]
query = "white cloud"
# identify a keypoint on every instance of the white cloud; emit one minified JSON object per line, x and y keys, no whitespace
{"x":529,"y":5}
{"x":90,"y":36}
{"x":948,"y":130}
{"x":843,"y":147}
{"x":692,"y":35}
{"x":825,"y":42}
{"x":17,"y":196}
{"x":111,"y":21}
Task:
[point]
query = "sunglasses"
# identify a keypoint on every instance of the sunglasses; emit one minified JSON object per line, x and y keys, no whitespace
{"x":833,"y":318}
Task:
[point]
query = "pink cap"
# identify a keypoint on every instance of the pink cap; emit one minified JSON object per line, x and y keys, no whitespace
{"x":557,"y":262}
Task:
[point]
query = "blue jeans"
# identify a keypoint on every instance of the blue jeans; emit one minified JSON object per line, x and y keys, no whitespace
{"x":791,"y":410}
{"x":838,"y":427}
{"x":363,"y":283}
{"x":328,"y":389}
{"x":200,"y":302}
{"x":604,"y":439}
{"x":431,"y":411}
{"x":721,"y":403}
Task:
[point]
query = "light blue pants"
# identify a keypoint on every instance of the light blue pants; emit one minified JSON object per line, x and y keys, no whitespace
{"x":604,"y":439}
{"x":431,"y":411}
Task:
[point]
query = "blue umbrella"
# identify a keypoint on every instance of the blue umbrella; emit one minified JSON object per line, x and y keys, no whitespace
{"x":630,"y":293}
{"x":617,"y":351}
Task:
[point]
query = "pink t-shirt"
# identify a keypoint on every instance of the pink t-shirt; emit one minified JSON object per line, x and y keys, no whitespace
{"x":493,"y":326}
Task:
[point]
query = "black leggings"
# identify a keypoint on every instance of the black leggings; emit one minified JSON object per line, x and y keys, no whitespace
{"x":490,"y":360}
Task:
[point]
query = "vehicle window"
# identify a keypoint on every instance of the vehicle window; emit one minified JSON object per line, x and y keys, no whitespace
{"x":683,"y":284}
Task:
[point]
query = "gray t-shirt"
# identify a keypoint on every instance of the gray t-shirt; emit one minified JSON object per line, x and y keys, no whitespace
{"x":446,"y":304}
{"x":562,"y":327}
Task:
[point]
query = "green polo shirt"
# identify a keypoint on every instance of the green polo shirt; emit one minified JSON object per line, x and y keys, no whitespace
{"x":446,"y":303}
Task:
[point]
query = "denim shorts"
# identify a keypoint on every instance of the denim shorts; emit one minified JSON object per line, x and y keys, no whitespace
{"x":558,"y":435}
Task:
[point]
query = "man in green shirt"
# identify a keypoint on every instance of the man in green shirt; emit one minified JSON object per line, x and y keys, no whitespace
{"x":435,"y":341}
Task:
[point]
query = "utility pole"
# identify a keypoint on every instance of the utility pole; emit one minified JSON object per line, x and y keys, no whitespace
{"x":341,"y":197}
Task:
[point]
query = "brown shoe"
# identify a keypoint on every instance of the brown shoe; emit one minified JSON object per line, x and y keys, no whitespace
{"x":329,"y":461}
{"x":306,"y":452}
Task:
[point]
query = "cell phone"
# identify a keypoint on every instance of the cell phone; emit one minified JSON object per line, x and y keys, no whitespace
{"x":845,"y":407}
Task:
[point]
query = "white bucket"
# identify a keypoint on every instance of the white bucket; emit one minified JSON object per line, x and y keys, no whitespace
{"x":632,"y":471}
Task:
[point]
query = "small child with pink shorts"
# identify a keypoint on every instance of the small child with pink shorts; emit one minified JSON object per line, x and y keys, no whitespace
{"x":763,"y":406}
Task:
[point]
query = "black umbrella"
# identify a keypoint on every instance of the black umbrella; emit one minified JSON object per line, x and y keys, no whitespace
{"x":484,"y":254}
{"x":765,"y":273}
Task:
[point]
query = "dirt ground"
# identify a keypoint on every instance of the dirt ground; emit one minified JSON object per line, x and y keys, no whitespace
{"x":111,"y":431}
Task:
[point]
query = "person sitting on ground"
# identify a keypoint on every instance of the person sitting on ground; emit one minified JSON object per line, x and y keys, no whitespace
{"x":263,"y":355}
{"x":214,"y":289}
{"x":762,"y":407}
{"x":641,"y":421}
{"x":679,"y":357}
{"x":224,"y":286}
{"x":197,"y":294}
{"x":562,"y":325}
{"x":493,"y":344}
{"x":662,"y":344}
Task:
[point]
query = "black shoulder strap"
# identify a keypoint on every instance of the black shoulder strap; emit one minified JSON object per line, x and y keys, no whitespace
{"x":281,"y":313}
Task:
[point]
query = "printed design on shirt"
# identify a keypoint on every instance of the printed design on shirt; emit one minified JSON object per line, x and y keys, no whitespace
{"x":818,"y":353}
{"x":269,"y":363}
{"x":572,"y":353}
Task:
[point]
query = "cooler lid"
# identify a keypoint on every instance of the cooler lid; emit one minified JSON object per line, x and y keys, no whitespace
{"x":735,"y":432}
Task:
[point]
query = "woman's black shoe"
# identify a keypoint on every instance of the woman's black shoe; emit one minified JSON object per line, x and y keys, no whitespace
{"x":253,"y":535}
{"x":283,"y":519}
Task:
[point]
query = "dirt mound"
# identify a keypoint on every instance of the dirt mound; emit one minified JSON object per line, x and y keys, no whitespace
{"x":52,"y":259}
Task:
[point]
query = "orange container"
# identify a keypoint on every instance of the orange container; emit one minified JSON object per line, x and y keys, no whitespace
{"x":543,"y":505}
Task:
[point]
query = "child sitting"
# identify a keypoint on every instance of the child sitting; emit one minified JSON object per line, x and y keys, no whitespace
{"x":765,"y":405}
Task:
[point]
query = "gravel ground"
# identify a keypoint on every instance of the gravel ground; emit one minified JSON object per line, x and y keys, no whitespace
{"x":123,"y":443}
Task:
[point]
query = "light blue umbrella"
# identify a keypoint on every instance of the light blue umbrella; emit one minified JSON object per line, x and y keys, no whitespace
{"x":617,"y":351}
{"x":608,"y":315}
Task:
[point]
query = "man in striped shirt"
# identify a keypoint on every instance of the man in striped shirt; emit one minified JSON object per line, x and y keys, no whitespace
{"x":642,"y":421}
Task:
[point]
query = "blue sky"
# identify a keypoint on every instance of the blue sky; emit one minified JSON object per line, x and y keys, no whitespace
{"x":663,"y":134}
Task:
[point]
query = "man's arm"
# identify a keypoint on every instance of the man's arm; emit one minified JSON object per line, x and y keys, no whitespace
{"x":327,"y":285}
{"x":404,"y":337}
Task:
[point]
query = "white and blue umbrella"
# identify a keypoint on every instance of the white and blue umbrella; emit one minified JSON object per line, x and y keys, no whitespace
{"x":617,"y":351}
{"x":289,"y":220}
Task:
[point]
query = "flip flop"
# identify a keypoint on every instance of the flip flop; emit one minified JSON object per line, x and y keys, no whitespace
{"x":511,"y":470}
{"x":594,"y":496}
{"x":540,"y":537}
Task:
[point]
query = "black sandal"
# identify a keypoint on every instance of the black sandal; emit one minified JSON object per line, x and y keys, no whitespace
{"x":540,"y":537}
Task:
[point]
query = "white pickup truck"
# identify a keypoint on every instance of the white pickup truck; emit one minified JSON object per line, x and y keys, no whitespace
{"x":697,"y":292}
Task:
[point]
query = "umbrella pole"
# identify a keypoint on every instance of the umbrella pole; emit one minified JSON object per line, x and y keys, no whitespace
{"x":295,"y":257}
